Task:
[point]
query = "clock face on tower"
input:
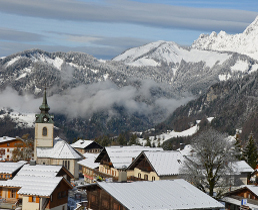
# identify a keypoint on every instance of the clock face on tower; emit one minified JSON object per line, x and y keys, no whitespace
{"x":45,"y":119}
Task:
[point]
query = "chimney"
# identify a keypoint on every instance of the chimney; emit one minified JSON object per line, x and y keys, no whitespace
{"x":122,"y":174}
{"x":32,"y":162}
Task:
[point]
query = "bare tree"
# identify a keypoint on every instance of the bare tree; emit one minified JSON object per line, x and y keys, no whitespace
{"x":210,"y":163}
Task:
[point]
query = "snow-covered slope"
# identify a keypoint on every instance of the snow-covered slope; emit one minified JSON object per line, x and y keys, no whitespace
{"x":243,"y":43}
{"x":26,"y":120}
{"x":153,"y":54}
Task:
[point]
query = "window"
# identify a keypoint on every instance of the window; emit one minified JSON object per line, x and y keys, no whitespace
{"x":8,"y":150}
{"x":44,"y":131}
{"x":34,"y":199}
{"x":13,"y":193}
{"x":7,"y":156}
{"x":153,"y":178}
{"x":66,"y":163}
{"x":8,"y":144}
{"x":145,"y":177}
{"x":139,"y":175}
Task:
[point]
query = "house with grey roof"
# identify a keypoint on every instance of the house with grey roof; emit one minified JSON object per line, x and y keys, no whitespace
{"x":37,"y":187}
{"x":114,"y":160}
{"x":155,"y":165}
{"x":89,"y":167}
{"x":86,"y":146}
{"x":9,"y":169}
{"x":163,"y":195}
{"x":244,"y":197}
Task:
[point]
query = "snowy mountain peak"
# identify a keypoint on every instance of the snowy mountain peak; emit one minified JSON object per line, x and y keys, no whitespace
{"x":243,"y":43}
{"x":167,"y":52}
{"x":253,"y":27}
{"x":151,"y":54}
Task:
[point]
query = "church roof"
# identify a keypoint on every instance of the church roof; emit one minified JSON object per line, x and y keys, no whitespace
{"x":60,"y":150}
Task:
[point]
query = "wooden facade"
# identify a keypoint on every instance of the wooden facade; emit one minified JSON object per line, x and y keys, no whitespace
{"x":233,"y":199}
{"x":7,"y":147}
{"x":98,"y":199}
{"x":93,"y":147}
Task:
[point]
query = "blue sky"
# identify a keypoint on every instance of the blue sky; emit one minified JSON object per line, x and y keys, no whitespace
{"x":106,"y":28}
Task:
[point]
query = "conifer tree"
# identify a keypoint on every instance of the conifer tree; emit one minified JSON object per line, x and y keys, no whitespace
{"x":250,"y":152}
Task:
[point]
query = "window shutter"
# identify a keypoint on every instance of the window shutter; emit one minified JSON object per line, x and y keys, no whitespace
{"x":30,"y":199}
{"x":37,"y":199}
{"x":9,"y":193}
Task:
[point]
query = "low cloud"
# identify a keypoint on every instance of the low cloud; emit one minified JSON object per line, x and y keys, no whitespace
{"x":85,"y":100}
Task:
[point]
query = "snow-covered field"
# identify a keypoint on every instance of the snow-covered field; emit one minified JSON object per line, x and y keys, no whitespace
{"x":170,"y":134}
{"x":23,"y":119}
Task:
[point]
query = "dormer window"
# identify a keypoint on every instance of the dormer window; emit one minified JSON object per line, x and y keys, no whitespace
{"x":44,"y":131}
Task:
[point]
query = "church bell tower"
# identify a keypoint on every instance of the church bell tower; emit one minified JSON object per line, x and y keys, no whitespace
{"x":44,"y":127}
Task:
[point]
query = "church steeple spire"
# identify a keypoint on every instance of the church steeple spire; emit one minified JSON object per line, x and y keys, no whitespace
{"x":44,"y":108}
{"x":44,"y":116}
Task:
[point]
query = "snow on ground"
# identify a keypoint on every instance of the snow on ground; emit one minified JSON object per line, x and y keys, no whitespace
{"x":224,"y":77}
{"x":171,"y":134}
{"x":12,"y":61}
{"x":57,"y":62}
{"x":171,"y":53}
{"x":240,"y":66}
{"x":23,"y":119}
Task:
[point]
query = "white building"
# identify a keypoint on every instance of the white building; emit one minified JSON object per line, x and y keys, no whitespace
{"x":49,"y":151}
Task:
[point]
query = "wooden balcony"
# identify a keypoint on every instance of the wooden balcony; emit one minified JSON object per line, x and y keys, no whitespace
{"x":9,"y":203}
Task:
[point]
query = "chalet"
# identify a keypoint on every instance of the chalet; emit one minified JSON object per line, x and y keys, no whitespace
{"x":48,"y":150}
{"x":165,"y":194}
{"x":245,"y":197}
{"x":114,"y":160}
{"x":87,"y":146}
{"x":237,"y":175}
{"x":89,"y":167}
{"x":156,"y":165}
{"x":241,"y":171}
{"x":9,"y":169}
{"x":7,"y":145}
{"x":37,"y":187}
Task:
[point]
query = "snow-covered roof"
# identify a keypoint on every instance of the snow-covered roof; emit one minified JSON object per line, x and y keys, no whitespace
{"x":122,"y":156}
{"x":81,"y":143}
{"x":6,"y":139}
{"x":164,"y":194}
{"x":10,"y":167}
{"x":187,"y":151}
{"x":89,"y":160}
{"x":165,"y":162}
{"x":61,"y":150}
{"x":37,"y":180}
{"x":238,"y":202}
{"x":241,"y":167}
{"x":40,"y":186}
{"x":39,"y":170}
